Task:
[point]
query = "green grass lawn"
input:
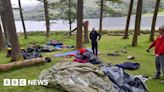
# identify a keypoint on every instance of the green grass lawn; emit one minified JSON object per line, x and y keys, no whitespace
{"x":107,"y":44}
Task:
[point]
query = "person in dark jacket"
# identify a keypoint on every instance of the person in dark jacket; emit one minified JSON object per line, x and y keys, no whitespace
{"x":93,"y":36}
{"x":159,"y":52}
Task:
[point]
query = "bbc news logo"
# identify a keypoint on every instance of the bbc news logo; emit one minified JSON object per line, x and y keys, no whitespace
{"x":24,"y":82}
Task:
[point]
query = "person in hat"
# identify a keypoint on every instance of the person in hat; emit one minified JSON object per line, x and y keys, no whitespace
{"x":159,"y":53}
{"x":93,"y":37}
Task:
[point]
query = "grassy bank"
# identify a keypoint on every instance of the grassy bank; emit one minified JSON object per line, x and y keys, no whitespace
{"x":161,"y":13}
{"x":106,"y":45}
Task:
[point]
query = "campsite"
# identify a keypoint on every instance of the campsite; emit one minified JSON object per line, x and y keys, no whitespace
{"x":83,"y":55}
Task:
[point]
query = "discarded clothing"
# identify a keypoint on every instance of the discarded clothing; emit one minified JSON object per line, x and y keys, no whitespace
{"x":122,"y":81}
{"x":86,"y":56}
{"x":129,"y":65}
{"x":48,"y":48}
{"x":54,"y":43}
{"x":27,"y":55}
{"x":80,"y":60}
{"x":31,"y":53}
{"x":77,"y":77}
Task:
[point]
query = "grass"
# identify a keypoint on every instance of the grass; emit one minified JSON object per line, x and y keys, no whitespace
{"x":161,"y":13}
{"x":107,"y":44}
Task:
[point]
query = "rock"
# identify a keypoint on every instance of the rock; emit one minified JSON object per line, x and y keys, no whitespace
{"x":131,"y":57}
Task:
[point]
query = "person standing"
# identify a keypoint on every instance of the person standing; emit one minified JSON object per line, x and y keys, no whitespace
{"x":159,"y":53}
{"x":93,"y":37}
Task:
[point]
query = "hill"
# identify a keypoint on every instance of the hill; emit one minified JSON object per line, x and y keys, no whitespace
{"x":91,"y":9}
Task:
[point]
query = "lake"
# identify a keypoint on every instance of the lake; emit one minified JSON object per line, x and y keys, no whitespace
{"x":109,"y":23}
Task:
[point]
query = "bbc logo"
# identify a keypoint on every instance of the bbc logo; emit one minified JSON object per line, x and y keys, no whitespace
{"x":14,"y":82}
{"x":24,"y":82}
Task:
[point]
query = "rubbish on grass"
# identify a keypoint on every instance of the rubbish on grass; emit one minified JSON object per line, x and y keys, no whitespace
{"x":129,"y":65}
{"x":131,"y":57}
{"x":77,"y":77}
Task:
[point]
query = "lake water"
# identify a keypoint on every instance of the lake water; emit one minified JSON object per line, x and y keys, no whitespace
{"x":110,"y":23}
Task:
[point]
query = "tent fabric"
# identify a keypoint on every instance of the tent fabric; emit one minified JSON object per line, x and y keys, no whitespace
{"x":71,"y":53}
{"x":77,"y":77}
{"x":122,"y":81}
{"x":75,"y":52}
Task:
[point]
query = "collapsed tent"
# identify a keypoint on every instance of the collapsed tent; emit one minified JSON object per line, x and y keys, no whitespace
{"x":75,"y":52}
{"x":85,"y":77}
{"x":58,"y":45}
{"x":71,"y":53}
{"x":77,"y":77}
{"x":122,"y":81}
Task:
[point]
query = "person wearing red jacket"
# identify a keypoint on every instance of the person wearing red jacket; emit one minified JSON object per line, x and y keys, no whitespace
{"x":159,"y":52}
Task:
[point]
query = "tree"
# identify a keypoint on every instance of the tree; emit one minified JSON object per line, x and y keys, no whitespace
{"x":101,"y":15}
{"x":66,"y":10}
{"x":2,"y":45}
{"x":8,"y":13}
{"x":128,"y":20}
{"x":47,"y":17}
{"x":22,"y":19}
{"x":79,"y":23}
{"x":154,"y":20}
{"x":86,"y":39}
{"x":5,"y":28}
{"x":112,"y":8}
{"x":70,"y":21}
{"x":137,"y":23}
{"x":4,"y":24}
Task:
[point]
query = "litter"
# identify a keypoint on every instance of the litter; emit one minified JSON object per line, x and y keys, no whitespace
{"x":122,"y":81}
{"x":77,"y":77}
{"x":85,"y":77}
{"x":28,"y":53}
{"x":75,"y":52}
{"x":131,"y":57}
{"x":129,"y":65}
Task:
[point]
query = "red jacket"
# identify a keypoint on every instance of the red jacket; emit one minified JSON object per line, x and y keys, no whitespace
{"x":159,"y":45}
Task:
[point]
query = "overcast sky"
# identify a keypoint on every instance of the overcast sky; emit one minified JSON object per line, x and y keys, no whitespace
{"x":25,"y":3}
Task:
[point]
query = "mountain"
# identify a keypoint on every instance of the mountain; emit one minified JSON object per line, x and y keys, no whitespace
{"x":91,"y":9}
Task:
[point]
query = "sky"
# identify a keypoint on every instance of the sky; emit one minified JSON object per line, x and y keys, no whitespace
{"x":24,"y":3}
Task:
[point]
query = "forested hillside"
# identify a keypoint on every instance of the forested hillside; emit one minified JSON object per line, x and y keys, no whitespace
{"x":91,"y":9}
